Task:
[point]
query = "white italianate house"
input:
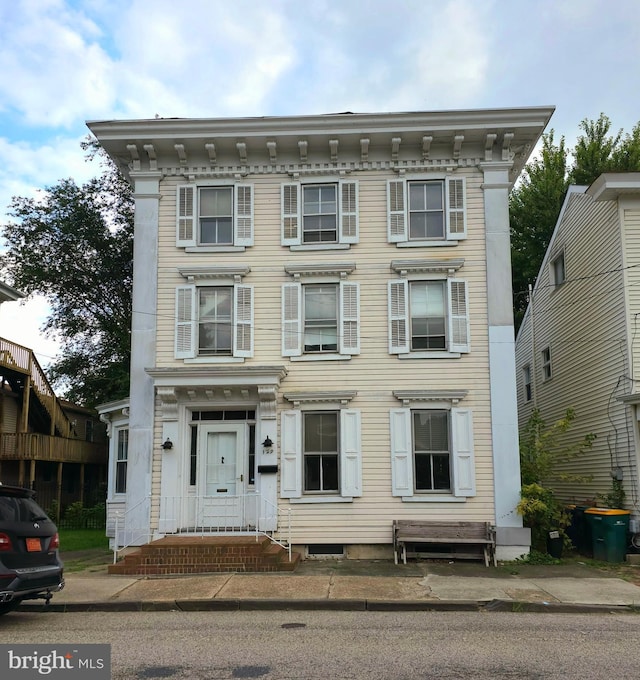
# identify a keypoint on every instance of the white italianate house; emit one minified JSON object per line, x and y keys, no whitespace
{"x":322,"y":336}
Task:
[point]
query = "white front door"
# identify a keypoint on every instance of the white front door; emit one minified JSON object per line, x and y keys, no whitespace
{"x":221,"y":476}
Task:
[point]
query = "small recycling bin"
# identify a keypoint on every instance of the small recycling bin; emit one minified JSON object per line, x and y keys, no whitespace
{"x":609,"y":530}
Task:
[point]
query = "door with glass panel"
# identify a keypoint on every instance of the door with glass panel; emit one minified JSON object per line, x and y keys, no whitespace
{"x":221,"y":482}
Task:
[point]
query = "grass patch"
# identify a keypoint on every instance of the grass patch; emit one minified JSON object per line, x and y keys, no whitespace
{"x":72,"y":540}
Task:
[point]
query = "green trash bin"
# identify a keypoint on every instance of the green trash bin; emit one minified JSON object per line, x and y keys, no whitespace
{"x":609,"y":531}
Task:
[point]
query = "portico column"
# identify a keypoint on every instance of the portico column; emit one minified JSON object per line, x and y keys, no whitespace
{"x":512,"y":539}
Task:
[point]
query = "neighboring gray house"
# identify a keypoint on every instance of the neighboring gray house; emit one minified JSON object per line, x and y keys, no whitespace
{"x":579,"y":343}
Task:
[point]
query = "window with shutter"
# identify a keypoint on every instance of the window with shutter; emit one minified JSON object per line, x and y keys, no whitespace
{"x":214,"y":216}
{"x":432,"y":453}
{"x":214,"y":321}
{"x":421,"y":212}
{"x":320,"y":320}
{"x":317,"y":214}
{"x":428,"y":317}
{"x":321,"y":454}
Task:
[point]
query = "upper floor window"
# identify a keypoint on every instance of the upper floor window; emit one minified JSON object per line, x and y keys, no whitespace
{"x":214,"y":216}
{"x":321,"y":319}
{"x":557,"y":270}
{"x":320,"y":213}
{"x":426,"y":212}
{"x":426,"y":316}
{"x":214,"y":321}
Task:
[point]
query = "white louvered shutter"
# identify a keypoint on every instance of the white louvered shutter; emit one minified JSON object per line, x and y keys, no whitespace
{"x":348,"y":212}
{"x":291,"y":454}
{"x":350,"y":318}
{"x":464,"y":472}
{"x":401,"y":452}
{"x":291,"y":320}
{"x":243,"y":321}
{"x":458,"y":315}
{"x":243,"y":218}
{"x":350,"y":453}
{"x":186,"y":212}
{"x":397,"y":209}
{"x":456,"y":208}
{"x":398,"y":316}
{"x":291,"y":220}
{"x":186,"y":322}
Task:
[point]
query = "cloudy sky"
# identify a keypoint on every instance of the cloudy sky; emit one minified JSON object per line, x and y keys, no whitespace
{"x":63,"y":62}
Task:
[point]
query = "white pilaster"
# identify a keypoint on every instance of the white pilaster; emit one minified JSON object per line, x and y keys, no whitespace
{"x":143,"y":346}
{"x":512,"y":538}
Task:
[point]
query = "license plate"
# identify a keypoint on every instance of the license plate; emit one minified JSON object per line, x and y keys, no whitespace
{"x":33,"y":545}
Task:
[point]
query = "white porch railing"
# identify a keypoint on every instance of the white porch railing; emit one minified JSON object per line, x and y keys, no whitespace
{"x":244,"y":514}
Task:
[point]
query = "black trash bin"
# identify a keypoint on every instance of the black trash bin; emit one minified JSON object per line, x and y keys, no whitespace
{"x":579,"y":531}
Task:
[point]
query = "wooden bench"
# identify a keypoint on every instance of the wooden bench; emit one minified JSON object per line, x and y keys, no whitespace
{"x":454,"y":539}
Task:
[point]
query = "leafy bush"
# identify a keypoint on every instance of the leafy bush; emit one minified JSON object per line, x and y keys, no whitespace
{"x":77,"y":516}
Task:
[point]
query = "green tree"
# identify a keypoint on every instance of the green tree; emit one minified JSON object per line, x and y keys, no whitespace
{"x":542,"y":453}
{"x":534,"y":206}
{"x":74,"y":245}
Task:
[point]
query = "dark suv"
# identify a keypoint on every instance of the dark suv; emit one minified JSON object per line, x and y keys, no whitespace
{"x":30,"y":565}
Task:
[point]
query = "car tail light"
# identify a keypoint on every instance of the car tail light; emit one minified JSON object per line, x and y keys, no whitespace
{"x":5,"y":542}
{"x":55,"y":542}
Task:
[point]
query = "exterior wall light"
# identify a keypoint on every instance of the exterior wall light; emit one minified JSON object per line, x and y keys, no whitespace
{"x":168,"y":444}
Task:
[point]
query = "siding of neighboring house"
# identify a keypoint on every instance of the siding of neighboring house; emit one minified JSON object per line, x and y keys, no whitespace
{"x":583,"y":323}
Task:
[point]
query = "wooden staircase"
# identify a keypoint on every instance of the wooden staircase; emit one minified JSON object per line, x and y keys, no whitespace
{"x":21,"y":369}
{"x":200,"y":555}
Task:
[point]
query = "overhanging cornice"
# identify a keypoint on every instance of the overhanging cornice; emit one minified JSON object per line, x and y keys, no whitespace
{"x":245,"y":145}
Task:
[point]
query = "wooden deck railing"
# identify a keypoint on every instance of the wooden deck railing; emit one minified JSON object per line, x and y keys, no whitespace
{"x":35,"y":446}
{"x":22,"y":360}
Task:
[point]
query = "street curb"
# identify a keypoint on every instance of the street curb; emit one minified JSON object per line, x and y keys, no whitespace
{"x":512,"y":606}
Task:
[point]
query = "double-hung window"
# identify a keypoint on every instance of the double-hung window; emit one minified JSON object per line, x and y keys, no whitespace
{"x":215,"y":217}
{"x":321,"y":454}
{"x":122,"y":457}
{"x":546,"y":363}
{"x":214,"y":316}
{"x":427,"y":316}
{"x":426,"y":211}
{"x":320,"y":214}
{"x":558,"y":274}
{"x":432,"y":452}
{"x":320,"y":313}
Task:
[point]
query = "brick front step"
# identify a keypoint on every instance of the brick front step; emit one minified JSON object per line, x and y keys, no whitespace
{"x":201,"y":555}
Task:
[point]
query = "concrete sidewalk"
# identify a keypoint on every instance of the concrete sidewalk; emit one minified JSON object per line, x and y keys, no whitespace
{"x":356,"y":585}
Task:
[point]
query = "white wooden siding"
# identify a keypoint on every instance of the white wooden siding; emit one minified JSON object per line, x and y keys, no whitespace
{"x":374,"y":373}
